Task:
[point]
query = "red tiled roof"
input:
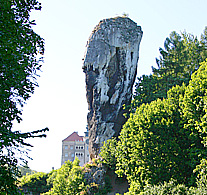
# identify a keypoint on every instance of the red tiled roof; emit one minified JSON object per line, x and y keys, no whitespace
{"x":74,"y":137}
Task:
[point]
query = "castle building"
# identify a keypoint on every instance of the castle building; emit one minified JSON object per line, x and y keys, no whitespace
{"x":75,"y":146}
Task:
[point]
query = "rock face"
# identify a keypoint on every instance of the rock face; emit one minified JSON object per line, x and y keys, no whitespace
{"x":110,"y":67}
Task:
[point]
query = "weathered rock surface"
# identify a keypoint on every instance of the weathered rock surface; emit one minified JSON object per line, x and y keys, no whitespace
{"x":99,"y":177}
{"x":95,"y":174}
{"x":110,"y":67}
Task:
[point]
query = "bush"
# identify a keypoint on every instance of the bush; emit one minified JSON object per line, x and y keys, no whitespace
{"x":167,"y":188}
{"x":69,"y":179}
{"x":108,"y":152}
{"x":35,"y":183}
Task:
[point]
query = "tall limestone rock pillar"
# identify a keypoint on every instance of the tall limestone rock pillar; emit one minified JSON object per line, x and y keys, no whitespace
{"x":110,"y":67}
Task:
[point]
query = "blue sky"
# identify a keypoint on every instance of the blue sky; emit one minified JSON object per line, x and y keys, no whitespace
{"x":60,"y":101}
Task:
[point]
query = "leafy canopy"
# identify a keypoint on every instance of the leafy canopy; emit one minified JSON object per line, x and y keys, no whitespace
{"x":180,"y":57}
{"x":35,"y":183}
{"x":20,"y":61}
{"x":165,"y":140}
{"x":69,"y":179}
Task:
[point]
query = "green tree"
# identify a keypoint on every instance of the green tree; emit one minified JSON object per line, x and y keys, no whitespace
{"x":173,"y":188}
{"x":69,"y":179}
{"x":146,"y":87}
{"x":180,"y":57}
{"x":35,"y":183}
{"x":108,"y":153}
{"x":201,"y":169}
{"x":195,"y":102}
{"x":203,"y":43}
{"x":20,"y":61}
{"x":166,"y":139}
{"x":194,"y":111}
{"x":151,"y":146}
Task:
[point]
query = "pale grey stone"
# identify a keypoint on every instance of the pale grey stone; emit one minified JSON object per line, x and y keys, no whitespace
{"x":110,"y":67}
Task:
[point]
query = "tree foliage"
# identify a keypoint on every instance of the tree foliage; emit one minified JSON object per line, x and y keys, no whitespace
{"x":151,"y":147}
{"x":172,"y":187}
{"x":180,"y":57}
{"x":162,"y":144}
{"x":166,"y":139}
{"x":20,"y":49}
{"x":195,"y":104}
{"x":35,"y":183}
{"x":108,"y":153}
{"x":69,"y":179}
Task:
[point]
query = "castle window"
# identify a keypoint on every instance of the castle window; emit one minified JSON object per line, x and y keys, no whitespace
{"x":79,"y":154}
{"x":79,"y":147}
